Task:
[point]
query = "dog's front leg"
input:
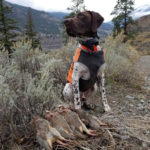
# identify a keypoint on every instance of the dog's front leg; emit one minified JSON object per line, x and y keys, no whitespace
{"x":75,"y":83}
{"x":101,"y":85}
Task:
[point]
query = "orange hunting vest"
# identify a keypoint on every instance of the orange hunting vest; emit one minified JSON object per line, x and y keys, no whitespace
{"x":93,"y":60}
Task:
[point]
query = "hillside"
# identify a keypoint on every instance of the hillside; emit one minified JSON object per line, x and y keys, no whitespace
{"x":144,"y":23}
{"x":142,"y":40}
{"x":44,"y":22}
{"x":105,"y":29}
{"x":59,"y":15}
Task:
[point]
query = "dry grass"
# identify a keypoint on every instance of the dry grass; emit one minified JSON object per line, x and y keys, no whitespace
{"x":134,"y":130}
{"x":142,"y":43}
{"x":120,"y":59}
{"x":29,"y":86}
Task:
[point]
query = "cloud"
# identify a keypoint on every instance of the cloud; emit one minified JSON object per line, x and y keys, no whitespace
{"x":103,"y":7}
{"x":28,"y":3}
{"x":46,"y":5}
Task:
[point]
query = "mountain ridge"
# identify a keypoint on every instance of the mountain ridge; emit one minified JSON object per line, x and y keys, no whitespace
{"x":142,"y":40}
{"x":43,"y":21}
{"x":46,"y":22}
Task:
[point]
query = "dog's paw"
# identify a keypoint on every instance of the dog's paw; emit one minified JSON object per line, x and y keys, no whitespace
{"x":77,"y":106}
{"x":107,"y":108}
{"x":88,"y":106}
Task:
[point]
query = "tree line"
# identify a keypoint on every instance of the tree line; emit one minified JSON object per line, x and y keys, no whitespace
{"x":8,"y":29}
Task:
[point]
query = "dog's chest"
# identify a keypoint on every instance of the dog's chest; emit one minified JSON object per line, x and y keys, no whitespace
{"x":93,"y":61}
{"x":85,"y":75}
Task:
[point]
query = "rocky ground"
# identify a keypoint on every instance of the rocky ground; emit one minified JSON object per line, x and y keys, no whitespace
{"x":130,"y":116}
{"x":143,"y":65}
{"x":124,"y":99}
{"x":133,"y":101}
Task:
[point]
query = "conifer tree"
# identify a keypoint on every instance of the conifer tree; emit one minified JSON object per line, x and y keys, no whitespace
{"x":7,"y":27}
{"x":77,"y":6}
{"x":122,"y":19}
{"x":30,"y":33}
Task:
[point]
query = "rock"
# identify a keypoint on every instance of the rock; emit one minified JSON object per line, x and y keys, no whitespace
{"x":141,"y":107}
{"x":126,"y":137}
{"x":129,"y":97}
{"x":131,"y":105}
{"x":144,"y":144}
{"x":143,"y":97}
{"x":142,"y":101}
{"x":146,"y":88}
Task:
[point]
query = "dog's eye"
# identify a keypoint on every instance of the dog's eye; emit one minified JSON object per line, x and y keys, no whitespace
{"x":81,"y":15}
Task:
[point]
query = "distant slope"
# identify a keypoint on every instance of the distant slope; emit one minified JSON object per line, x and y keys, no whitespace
{"x":105,"y":29}
{"x":144,"y":23}
{"x":44,"y":22}
{"x":142,"y":40}
{"x":59,"y":15}
{"x":107,"y":26}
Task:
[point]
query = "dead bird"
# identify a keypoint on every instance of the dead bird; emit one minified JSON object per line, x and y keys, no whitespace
{"x":89,"y":120}
{"x":75,"y":122}
{"x":46,"y":135}
{"x":60,"y":124}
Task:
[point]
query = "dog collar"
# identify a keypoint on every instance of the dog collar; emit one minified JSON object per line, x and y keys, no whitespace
{"x":89,"y":44}
{"x":84,"y":48}
{"x":87,"y":49}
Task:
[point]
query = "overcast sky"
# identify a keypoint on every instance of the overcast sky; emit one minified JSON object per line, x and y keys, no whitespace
{"x":104,"y":7}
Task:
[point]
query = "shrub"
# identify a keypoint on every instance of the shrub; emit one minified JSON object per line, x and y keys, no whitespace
{"x":120,"y":59}
{"x":31,"y":82}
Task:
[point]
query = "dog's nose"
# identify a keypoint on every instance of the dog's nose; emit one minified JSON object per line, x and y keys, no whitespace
{"x":66,"y":21}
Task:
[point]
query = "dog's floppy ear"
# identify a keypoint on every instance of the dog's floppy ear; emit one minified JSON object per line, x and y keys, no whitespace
{"x":97,"y":20}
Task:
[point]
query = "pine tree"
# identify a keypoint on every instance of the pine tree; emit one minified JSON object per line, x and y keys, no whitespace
{"x":77,"y":6}
{"x":122,"y":19}
{"x":30,"y":33}
{"x":7,"y":27}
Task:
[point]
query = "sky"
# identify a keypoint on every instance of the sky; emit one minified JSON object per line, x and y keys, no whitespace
{"x":104,"y":7}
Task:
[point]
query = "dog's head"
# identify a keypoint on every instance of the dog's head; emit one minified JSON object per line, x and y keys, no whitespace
{"x":84,"y":24}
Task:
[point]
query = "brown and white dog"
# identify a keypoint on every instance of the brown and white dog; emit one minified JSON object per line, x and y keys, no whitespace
{"x":87,"y":70}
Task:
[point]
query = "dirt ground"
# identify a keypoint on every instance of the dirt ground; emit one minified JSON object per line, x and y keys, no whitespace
{"x":130,"y":116}
{"x":124,"y":99}
{"x":129,"y":100}
{"x":143,"y":65}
